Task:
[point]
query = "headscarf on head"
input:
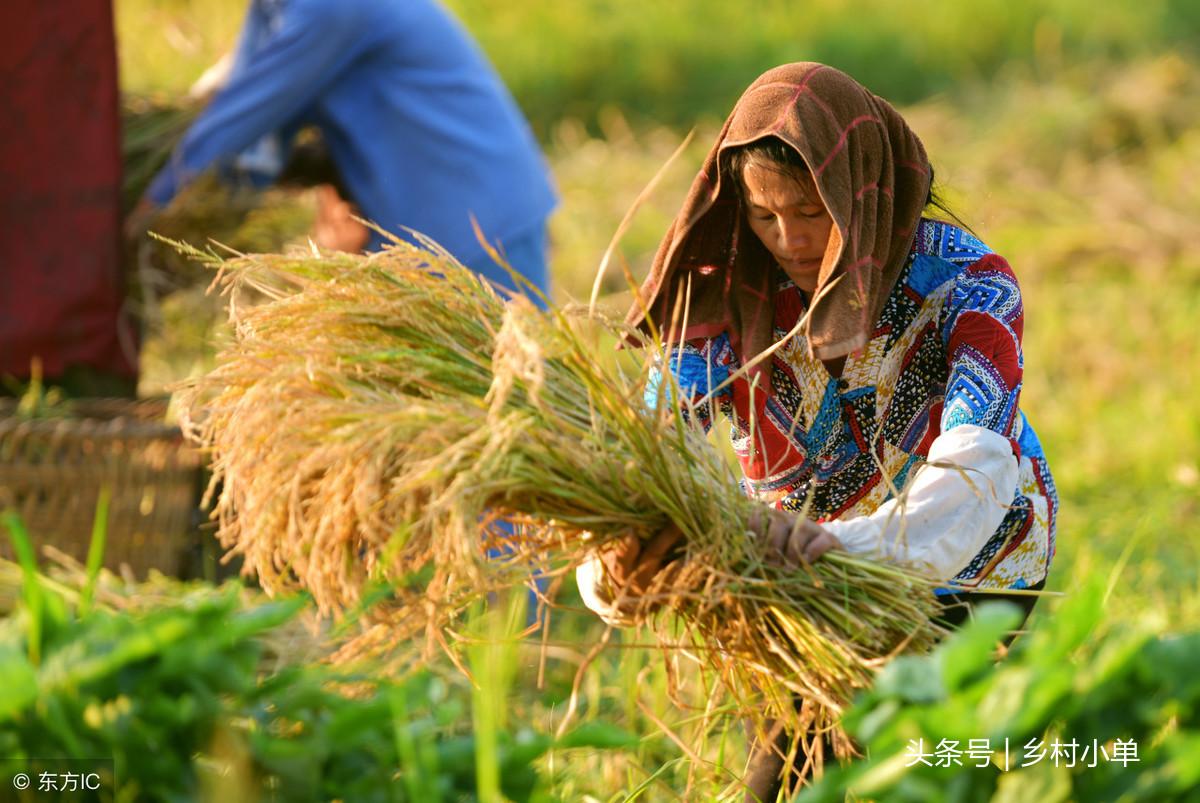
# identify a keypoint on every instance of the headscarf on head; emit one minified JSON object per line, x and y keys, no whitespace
{"x":873,"y":176}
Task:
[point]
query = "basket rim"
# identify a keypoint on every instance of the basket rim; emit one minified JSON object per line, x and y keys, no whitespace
{"x":99,"y":418}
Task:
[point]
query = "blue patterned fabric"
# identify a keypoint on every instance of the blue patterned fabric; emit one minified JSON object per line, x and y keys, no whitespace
{"x":696,"y":372}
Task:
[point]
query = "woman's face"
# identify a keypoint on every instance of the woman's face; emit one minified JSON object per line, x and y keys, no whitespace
{"x":786,"y":212}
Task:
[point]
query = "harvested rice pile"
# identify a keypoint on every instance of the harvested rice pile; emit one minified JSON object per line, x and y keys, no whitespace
{"x":377,"y":413}
{"x":151,"y":125}
{"x":228,"y":209}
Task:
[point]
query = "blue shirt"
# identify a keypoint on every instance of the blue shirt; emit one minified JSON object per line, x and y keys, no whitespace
{"x":419,"y":125}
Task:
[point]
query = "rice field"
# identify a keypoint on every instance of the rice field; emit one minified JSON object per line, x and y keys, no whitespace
{"x":1068,"y":140}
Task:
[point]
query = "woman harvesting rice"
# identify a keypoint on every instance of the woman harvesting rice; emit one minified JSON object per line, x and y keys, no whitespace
{"x":885,"y":400}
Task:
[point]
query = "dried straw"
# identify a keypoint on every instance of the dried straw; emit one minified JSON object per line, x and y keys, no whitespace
{"x":378,"y":413}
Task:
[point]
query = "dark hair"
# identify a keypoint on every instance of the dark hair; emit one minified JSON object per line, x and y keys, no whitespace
{"x":770,"y":152}
{"x":775,"y":154}
{"x":934,"y":199}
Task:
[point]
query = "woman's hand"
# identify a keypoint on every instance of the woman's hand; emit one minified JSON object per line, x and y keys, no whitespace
{"x":335,"y":227}
{"x":792,"y":539}
{"x":634,"y":566}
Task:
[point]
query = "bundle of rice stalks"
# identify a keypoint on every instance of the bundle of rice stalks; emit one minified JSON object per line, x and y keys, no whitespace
{"x":228,"y":209}
{"x":151,"y":125}
{"x":378,"y":415}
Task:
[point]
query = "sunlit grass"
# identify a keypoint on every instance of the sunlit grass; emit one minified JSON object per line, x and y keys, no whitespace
{"x":674,"y":62}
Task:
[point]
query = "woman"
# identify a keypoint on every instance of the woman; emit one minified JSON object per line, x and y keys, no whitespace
{"x":896,"y":359}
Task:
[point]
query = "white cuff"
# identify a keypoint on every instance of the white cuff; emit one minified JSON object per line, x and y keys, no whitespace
{"x":954,"y":504}
{"x":595,"y":592}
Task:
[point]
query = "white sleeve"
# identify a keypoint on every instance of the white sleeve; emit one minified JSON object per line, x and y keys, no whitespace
{"x":955,"y":503}
{"x":596,"y":592}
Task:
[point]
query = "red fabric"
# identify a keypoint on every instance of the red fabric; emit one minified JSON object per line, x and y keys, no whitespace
{"x":986,"y":334}
{"x":61,"y":288}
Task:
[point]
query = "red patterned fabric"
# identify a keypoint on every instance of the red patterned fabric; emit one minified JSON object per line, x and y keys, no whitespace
{"x":60,"y":163}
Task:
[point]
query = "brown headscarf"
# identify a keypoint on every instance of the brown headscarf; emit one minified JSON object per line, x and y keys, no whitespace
{"x":873,"y":176}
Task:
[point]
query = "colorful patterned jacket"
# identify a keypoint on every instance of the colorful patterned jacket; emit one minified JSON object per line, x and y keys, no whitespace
{"x":940,"y":376}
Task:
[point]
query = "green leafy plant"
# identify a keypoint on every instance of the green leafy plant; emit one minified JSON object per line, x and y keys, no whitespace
{"x":1076,"y":711}
{"x":177,"y":696}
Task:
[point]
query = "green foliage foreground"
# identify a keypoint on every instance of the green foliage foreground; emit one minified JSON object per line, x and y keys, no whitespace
{"x":175,"y":695}
{"x":175,"y":701}
{"x":1077,"y":711}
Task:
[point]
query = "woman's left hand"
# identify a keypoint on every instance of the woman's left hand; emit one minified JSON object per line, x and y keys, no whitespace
{"x":792,"y":539}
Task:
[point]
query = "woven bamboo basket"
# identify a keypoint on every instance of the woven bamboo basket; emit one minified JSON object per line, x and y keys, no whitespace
{"x":53,"y":469}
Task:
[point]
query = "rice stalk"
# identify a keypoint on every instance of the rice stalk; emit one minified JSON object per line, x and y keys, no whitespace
{"x":378,"y":415}
{"x":151,"y":126}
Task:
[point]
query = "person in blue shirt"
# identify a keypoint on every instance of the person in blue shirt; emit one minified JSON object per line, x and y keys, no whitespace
{"x":421,"y":129}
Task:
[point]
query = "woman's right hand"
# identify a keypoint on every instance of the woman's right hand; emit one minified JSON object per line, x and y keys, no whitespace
{"x":633,"y":565}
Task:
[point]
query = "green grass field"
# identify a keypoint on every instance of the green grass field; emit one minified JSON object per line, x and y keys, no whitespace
{"x":1069,"y":138}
